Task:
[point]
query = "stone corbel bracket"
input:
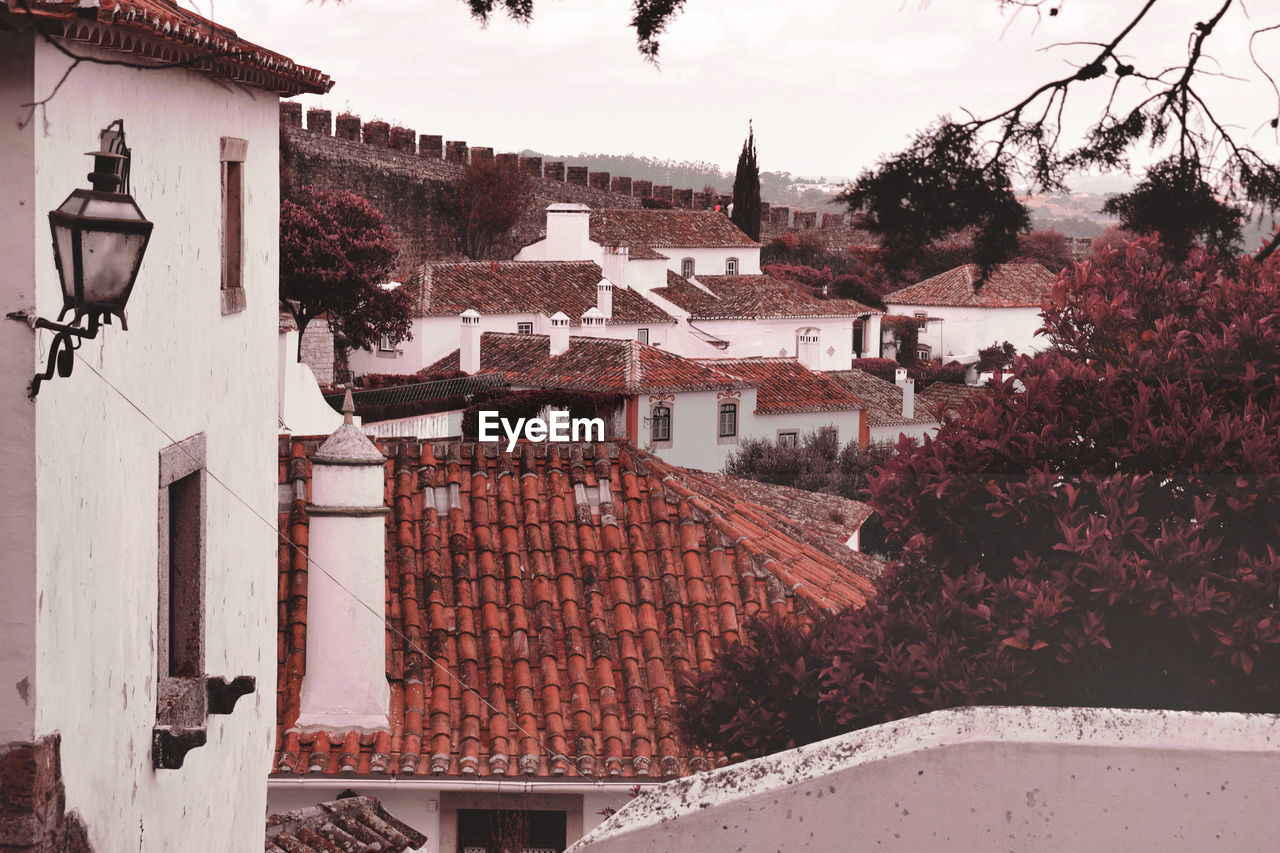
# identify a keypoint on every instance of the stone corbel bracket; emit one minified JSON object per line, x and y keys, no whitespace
{"x":224,"y":694}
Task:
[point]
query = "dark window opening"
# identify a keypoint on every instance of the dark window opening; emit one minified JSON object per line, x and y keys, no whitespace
{"x":686,"y":268}
{"x":728,"y":420}
{"x":511,"y":831}
{"x":660,"y":428}
{"x":185,"y":652}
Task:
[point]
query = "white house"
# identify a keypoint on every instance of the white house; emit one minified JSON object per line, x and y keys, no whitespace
{"x":959,"y":314}
{"x":512,"y":297}
{"x":894,"y":409}
{"x":139,"y":494}
{"x":703,"y":270}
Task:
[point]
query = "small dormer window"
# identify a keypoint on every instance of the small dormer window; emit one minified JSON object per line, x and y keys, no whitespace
{"x":686,"y":268}
{"x":524,"y":328}
{"x":731,"y":266}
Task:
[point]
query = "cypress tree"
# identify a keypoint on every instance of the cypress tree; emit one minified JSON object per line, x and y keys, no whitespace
{"x":746,"y":189}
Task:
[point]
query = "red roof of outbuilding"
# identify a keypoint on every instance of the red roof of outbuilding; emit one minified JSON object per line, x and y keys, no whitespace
{"x":751,"y":297}
{"x":590,"y":364}
{"x":445,"y":289}
{"x":683,"y":229}
{"x":1008,"y":286}
{"x":784,"y":385}
{"x":574,"y":588}
{"x":163,"y":32}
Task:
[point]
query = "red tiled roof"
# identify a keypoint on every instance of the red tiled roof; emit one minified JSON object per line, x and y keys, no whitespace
{"x":590,"y":364}
{"x":750,"y":297}
{"x":160,"y":30}
{"x":824,"y":521}
{"x":352,"y":825}
{"x":1021,"y":285}
{"x":883,"y":400}
{"x":950,"y":397}
{"x":522,"y":287}
{"x":683,"y":229}
{"x":784,"y":385}
{"x":575,"y":587}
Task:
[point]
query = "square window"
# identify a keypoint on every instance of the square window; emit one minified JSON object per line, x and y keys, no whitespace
{"x":922,"y":319}
{"x":728,"y":420}
{"x":524,"y":328}
{"x":788,"y":439}
{"x":642,"y":335}
{"x":385,"y":345}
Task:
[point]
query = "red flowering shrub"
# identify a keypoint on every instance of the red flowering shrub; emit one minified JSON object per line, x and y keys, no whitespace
{"x":335,"y":251}
{"x":1107,"y":535}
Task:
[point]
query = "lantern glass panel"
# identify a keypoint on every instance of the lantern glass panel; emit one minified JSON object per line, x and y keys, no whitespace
{"x":62,"y":237}
{"x":110,"y":260}
{"x":118,"y":207}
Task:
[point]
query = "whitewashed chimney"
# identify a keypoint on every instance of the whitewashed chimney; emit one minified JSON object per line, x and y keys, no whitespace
{"x":469,"y":342}
{"x":908,"y":387}
{"x":807,"y":348}
{"x":871,"y":336}
{"x":568,"y":232}
{"x":604,"y":298}
{"x":345,"y":685}
{"x":593,"y":323}
{"x":559,"y":333}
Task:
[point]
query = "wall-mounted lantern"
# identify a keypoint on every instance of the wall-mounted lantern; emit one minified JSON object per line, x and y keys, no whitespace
{"x":99,"y":237}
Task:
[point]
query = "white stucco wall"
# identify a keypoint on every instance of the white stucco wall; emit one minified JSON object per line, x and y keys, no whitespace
{"x":769,"y":338}
{"x":192,"y":370}
{"x":303,"y":410}
{"x":961,"y":332}
{"x":982,"y":779}
{"x":712,"y":261}
{"x":891,"y":434}
{"x":18,"y":690}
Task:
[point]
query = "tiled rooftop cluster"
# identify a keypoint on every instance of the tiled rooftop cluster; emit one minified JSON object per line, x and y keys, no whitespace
{"x":577,"y":588}
{"x":591,"y":364}
{"x":351,"y":825}
{"x":162,"y":30}
{"x":883,"y":399}
{"x":950,"y":398}
{"x":650,"y":229}
{"x":1019,"y":285}
{"x":446,"y":289}
{"x":783,"y":385}
{"x":750,"y":297}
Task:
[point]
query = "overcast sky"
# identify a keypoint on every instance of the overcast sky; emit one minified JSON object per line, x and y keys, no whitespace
{"x":831,"y":85}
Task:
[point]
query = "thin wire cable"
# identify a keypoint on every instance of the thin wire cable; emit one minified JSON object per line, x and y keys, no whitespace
{"x":599,"y":780}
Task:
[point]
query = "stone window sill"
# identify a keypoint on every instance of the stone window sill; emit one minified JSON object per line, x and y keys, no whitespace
{"x":233,"y":301}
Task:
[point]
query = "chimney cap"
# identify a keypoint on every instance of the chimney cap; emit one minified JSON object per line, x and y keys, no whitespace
{"x":471,"y":314}
{"x":592,"y":312}
{"x":604,"y":284}
{"x":559,"y":319}
{"x":568,"y":207}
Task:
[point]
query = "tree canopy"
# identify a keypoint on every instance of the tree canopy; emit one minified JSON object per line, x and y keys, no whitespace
{"x":335,"y":251}
{"x":1138,"y":461}
{"x":746,"y":189}
{"x":484,"y":203}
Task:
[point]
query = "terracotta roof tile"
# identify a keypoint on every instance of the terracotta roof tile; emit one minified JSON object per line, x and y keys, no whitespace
{"x":950,"y":397}
{"x":1021,"y":285}
{"x":750,"y":297}
{"x":522,"y":287}
{"x":591,"y":364}
{"x":657,"y":229}
{"x":784,"y":385}
{"x":351,"y":825}
{"x":173,"y":34}
{"x":883,"y":399}
{"x":574,"y":587}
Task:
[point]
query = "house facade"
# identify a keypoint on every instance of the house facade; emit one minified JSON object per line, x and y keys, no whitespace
{"x":959,"y":313}
{"x":531,"y":618}
{"x":700,"y":268}
{"x":138,"y":588}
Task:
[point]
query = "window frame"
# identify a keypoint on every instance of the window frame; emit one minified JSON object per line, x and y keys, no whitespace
{"x":524,"y":328}
{"x":922,"y":320}
{"x":731,"y":266}
{"x":689,"y":265}
{"x":655,"y":419}
{"x":729,"y":409}
{"x":642,"y":335}
{"x":385,"y":345}
{"x":788,"y":438}
{"x":232,"y":155}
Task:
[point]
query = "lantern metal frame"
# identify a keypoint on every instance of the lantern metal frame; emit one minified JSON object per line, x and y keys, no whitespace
{"x":110,"y":181}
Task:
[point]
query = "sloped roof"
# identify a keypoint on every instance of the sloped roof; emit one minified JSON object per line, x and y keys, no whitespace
{"x":784,"y":385}
{"x":1021,"y":285}
{"x":824,"y":521}
{"x":682,"y":229}
{"x":883,"y":400}
{"x":446,"y":289}
{"x":751,"y":297}
{"x":162,"y":31}
{"x":950,"y":397}
{"x":352,"y":825}
{"x":590,"y":364}
{"x":574,"y":587}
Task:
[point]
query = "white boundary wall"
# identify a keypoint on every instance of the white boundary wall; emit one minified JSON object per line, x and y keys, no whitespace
{"x":983,"y":779}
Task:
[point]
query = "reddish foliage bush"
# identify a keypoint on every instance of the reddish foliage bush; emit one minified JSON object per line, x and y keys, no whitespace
{"x":881,"y":368}
{"x":806,"y":276}
{"x":1104,"y":535}
{"x":906,"y":331}
{"x":484,"y":203}
{"x":925,"y":373}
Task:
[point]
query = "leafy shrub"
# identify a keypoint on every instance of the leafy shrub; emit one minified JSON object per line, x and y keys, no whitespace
{"x":881,"y":368}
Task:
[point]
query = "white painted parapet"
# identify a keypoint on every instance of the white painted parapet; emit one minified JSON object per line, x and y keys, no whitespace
{"x":983,"y":779}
